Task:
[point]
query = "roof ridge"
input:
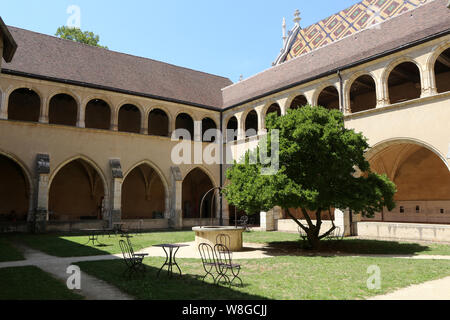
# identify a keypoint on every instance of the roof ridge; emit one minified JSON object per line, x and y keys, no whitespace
{"x":326,"y":45}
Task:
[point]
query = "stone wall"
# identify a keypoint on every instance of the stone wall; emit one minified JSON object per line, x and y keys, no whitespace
{"x":403,"y":231}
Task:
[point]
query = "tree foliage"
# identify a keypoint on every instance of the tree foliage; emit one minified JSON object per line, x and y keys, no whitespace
{"x":77,"y":35}
{"x":319,"y":161}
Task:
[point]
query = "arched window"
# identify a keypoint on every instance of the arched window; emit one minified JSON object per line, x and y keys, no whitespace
{"x":363,"y":94}
{"x":404,"y":83}
{"x":98,"y":115}
{"x":442,"y":72}
{"x":232,"y":129}
{"x":129,"y":119}
{"x":24,"y":105}
{"x":63,"y":110}
{"x":195,"y":185}
{"x":143,"y":194}
{"x":329,"y":98}
{"x":76,"y":193}
{"x":158,"y":123}
{"x":184,"y":121}
{"x":298,"y":102}
{"x":251,"y":124}
{"x":208,"y":126}
{"x":274,"y":108}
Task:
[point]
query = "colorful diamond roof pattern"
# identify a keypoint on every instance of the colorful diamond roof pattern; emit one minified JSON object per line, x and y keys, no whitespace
{"x":347,"y":22}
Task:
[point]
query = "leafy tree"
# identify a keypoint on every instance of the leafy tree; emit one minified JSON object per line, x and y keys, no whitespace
{"x":319,"y":161}
{"x":77,"y":35}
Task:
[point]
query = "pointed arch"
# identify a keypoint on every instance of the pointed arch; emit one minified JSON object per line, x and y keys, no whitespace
{"x":144,"y":192}
{"x":196,"y":183}
{"x":77,"y":190}
{"x":16,"y":189}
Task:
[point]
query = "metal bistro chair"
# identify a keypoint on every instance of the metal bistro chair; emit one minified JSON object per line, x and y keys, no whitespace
{"x":208,"y":260}
{"x":132,"y":260}
{"x":243,"y":222}
{"x":223,"y":239}
{"x":225,"y":263}
{"x":302,"y":233}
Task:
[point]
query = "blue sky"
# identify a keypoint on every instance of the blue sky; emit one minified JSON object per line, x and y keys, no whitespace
{"x":227,"y":38}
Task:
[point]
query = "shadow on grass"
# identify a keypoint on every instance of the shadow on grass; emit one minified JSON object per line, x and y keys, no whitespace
{"x":151,"y":287}
{"x":77,"y":246}
{"x":346,"y":246}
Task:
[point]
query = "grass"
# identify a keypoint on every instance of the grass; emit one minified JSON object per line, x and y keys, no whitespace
{"x":75,"y":246}
{"x":8,"y":252}
{"x":280,"y":278}
{"x":31,"y":283}
{"x":290,"y":242}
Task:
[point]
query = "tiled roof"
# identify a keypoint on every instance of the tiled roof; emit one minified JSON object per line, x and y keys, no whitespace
{"x":426,"y":21}
{"x":347,"y":22}
{"x":54,"y":58}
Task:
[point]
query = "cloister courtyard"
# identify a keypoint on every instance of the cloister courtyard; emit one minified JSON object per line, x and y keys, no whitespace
{"x":274,"y":266}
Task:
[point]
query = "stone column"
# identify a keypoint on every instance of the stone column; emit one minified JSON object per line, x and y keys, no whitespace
{"x":342,"y":220}
{"x":267,"y":221}
{"x":241,"y":126}
{"x":197,"y":131}
{"x":81,"y":115}
{"x":43,"y":117}
{"x":382,"y":91}
{"x":176,"y":209}
{"x":144,"y":124}
{"x":40,"y":218}
{"x":428,"y":83}
{"x":4,"y":106}
{"x":114,"y":126}
{"x":115,"y":214}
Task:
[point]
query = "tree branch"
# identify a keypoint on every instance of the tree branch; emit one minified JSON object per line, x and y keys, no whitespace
{"x":308,"y":219}
{"x":297,"y":222}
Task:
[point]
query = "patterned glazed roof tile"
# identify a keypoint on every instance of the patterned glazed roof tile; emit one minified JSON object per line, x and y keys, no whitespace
{"x":347,"y":22}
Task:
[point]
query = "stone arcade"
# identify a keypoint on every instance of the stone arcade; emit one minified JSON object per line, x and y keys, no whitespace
{"x":90,"y":145}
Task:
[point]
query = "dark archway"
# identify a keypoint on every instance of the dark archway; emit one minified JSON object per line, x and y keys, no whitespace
{"x":274,"y":108}
{"x":423,"y":184}
{"x":363,"y":94}
{"x":98,"y":115}
{"x":158,"y":123}
{"x":63,"y":110}
{"x":298,"y":102}
{"x":195,"y":185}
{"x":232,"y":129}
{"x":76,"y":193}
{"x":14,"y":191}
{"x":251,"y":124}
{"x":442,"y":72}
{"x":404,"y":83}
{"x":24,"y":105}
{"x":329,"y":98}
{"x":143,"y":194}
{"x":209,"y":124}
{"x":184,"y":121}
{"x":129,"y":119}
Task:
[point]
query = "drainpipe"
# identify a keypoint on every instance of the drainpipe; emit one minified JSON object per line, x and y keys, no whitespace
{"x":221,"y":170}
{"x":341,"y":93}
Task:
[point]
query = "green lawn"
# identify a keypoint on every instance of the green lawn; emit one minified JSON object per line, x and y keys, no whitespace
{"x":8,"y":252}
{"x":290,"y":242}
{"x":75,"y":246}
{"x":280,"y":278}
{"x":31,"y":283}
